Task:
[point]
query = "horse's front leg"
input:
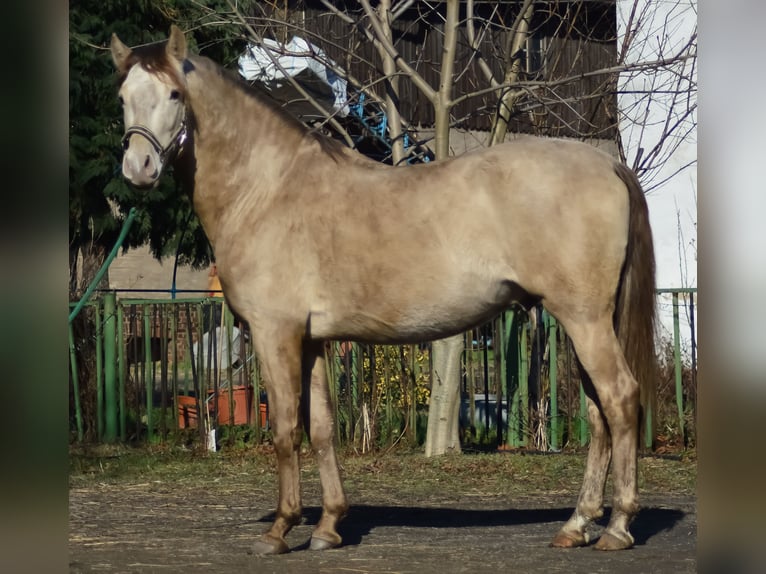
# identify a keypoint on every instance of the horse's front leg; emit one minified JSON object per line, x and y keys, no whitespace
{"x":320,"y":424}
{"x":280,"y":355}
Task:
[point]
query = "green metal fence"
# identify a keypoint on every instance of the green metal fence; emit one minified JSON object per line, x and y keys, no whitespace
{"x":151,"y":370}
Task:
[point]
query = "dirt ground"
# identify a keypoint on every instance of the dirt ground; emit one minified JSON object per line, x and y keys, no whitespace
{"x":147,"y":521}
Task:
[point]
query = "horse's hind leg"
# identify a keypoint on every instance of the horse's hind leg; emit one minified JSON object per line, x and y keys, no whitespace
{"x":590,"y":502}
{"x":320,"y":424}
{"x":280,"y":356}
{"x":613,"y":413}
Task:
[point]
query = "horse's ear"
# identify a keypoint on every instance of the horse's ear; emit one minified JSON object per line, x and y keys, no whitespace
{"x":120,"y":53}
{"x":176,"y":44}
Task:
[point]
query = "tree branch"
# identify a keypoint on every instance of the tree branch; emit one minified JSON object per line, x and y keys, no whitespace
{"x":380,"y":37}
{"x":326,"y":113}
{"x":531,"y":84}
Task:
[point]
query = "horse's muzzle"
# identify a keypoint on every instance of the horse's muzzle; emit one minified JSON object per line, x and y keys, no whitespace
{"x":141,"y":167}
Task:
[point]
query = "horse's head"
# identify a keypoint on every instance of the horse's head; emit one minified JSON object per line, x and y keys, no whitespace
{"x":152,"y":93}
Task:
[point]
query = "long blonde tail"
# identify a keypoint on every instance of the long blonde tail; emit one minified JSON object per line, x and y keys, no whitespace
{"x":636,"y":309}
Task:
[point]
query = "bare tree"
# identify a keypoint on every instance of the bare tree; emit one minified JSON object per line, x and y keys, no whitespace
{"x":658,"y":107}
{"x":541,"y":67}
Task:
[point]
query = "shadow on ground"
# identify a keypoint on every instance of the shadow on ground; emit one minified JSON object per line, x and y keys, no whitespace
{"x":361,"y":519}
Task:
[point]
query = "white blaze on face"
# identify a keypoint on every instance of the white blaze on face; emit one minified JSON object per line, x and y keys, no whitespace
{"x":152,"y":102}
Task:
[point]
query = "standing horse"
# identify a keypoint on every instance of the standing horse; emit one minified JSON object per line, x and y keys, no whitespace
{"x":315,"y":242}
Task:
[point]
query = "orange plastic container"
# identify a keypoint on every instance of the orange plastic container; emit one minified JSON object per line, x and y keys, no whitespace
{"x":243,"y":402}
{"x":187,"y":411}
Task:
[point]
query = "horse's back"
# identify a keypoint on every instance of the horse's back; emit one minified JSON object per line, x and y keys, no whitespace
{"x":419,"y":252}
{"x":524,"y":211}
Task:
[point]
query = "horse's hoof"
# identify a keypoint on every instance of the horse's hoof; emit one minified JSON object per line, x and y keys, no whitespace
{"x":323,"y":544}
{"x":268,"y":545}
{"x":609,"y":541}
{"x":569,"y":540}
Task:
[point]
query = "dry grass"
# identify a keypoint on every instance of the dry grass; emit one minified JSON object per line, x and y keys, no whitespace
{"x":403,"y":472}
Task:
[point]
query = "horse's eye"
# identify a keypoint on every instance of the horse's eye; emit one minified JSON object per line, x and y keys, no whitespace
{"x":122,"y":102}
{"x":175,"y":94}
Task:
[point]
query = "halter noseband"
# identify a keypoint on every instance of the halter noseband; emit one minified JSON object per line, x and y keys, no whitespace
{"x":175,"y":142}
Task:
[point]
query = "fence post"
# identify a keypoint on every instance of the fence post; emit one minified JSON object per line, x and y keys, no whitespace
{"x":121,"y":374}
{"x":524,"y":382}
{"x":336,"y":365}
{"x":163,"y":326}
{"x":75,"y":384}
{"x":255,"y":377}
{"x":677,"y":361}
{"x":501,"y":379}
{"x":100,"y":372}
{"x":511,"y":357}
{"x":482,"y":338}
{"x":414,"y":382}
{"x":110,"y":379}
{"x":552,"y":376}
{"x":148,"y":372}
{"x":583,"y":418}
{"x":229,"y":334}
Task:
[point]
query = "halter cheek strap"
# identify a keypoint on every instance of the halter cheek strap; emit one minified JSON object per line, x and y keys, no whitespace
{"x":175,"y":142}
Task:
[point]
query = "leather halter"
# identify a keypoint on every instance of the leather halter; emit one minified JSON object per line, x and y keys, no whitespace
{"x":175,"y":142}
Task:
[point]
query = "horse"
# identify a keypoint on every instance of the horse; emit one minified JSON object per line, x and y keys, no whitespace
{"x":315,"y":242}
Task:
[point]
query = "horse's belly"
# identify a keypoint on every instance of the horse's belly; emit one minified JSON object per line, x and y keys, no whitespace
{"x":368,"y":328}
{"x":406,"y":320}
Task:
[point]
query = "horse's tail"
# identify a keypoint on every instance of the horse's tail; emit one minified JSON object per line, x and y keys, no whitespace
{"x":635,"y":310}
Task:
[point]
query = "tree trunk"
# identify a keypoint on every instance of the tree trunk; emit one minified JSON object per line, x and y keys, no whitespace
{"x":514,"y":56}
{"x":443,"y":426}
{"x":84,"y":263}
{"x":392,"y":87}
{"x":81,"y":274}
{"x":444,"y":409}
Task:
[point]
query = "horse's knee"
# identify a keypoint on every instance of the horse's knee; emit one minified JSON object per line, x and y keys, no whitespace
{"x":322,"y":437}
{"x":289,"y":439}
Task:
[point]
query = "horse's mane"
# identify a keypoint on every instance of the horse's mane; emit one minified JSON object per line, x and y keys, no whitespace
{"x":328,"y":145}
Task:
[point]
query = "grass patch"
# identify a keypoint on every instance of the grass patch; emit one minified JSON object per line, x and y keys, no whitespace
{"x":404,"y":472}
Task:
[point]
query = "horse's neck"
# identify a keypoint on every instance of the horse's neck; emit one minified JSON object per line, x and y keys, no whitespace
{"x":226,"y":115}
{"x":241,"y":146}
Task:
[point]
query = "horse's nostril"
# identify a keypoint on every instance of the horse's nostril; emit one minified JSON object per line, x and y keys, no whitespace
{"x":147,"y":161}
